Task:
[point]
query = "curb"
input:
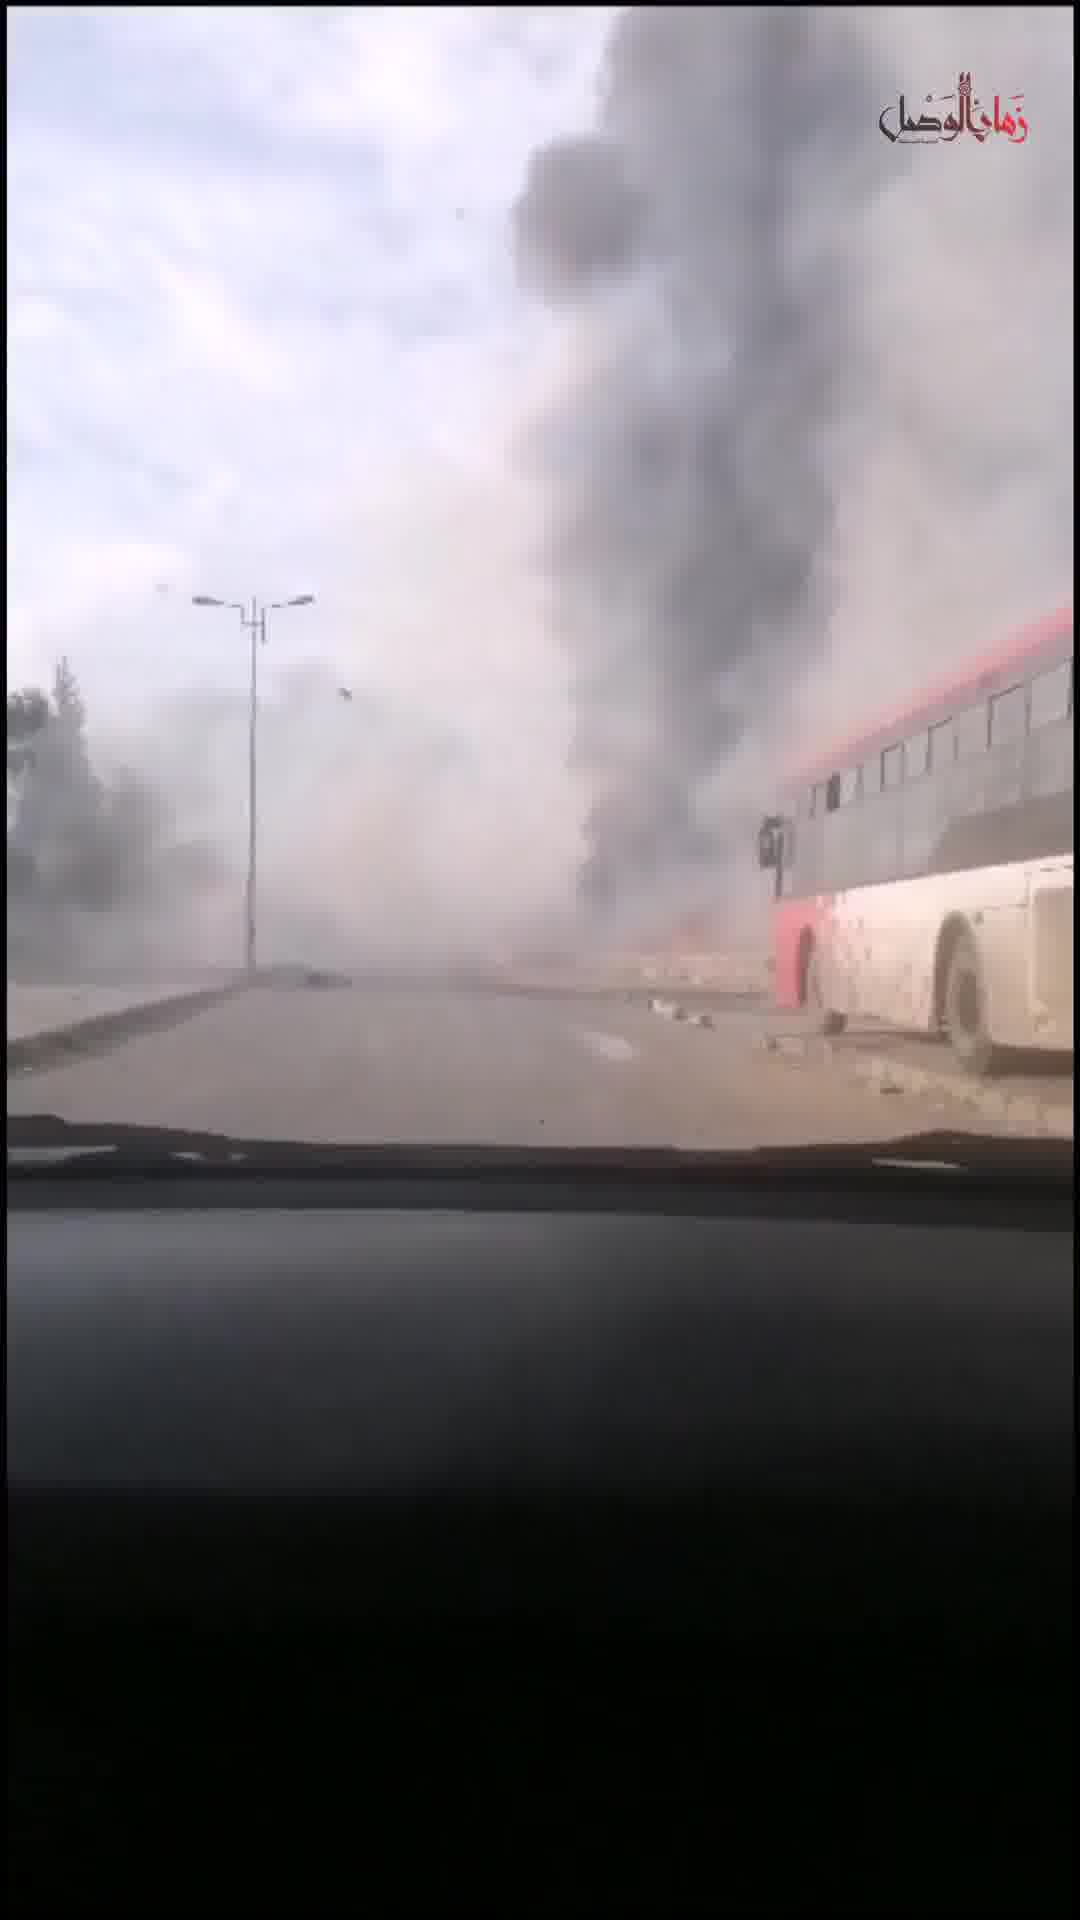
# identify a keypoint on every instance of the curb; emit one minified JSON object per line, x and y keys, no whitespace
{"x":58,"y":1044}
{"x":1020,"y":1113}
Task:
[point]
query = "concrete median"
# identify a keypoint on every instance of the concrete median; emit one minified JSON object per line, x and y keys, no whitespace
{"x":743,"y":974}
{"x":1021,"y":1102}
{"x":51,"y":1024}
{"x":735,"y":974}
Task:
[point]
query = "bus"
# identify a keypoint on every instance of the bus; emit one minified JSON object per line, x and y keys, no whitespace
{"x":924,"y":868}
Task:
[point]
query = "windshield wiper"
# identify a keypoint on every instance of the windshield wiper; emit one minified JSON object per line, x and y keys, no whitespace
{"x":44,"y":1142}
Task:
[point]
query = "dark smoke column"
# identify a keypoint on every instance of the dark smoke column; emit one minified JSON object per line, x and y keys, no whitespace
{"x":702,"y":240}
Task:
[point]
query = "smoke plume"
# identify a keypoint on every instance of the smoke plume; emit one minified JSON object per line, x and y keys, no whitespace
{"x":815,"y":436}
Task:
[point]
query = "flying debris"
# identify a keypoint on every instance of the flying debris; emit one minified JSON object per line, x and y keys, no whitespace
{"x":344,"y":693}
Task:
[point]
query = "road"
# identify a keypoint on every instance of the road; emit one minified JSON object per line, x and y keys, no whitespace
{"x":468,"y":1065}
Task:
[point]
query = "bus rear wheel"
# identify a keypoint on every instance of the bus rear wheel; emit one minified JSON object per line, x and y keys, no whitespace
{"x":965,"y":1009}
{"x":825,"y":1018}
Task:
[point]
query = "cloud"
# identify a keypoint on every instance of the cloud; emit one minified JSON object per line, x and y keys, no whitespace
{"x":252,"y":258}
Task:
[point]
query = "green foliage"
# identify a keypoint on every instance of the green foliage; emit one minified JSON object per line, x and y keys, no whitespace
{"x":27,"y":716}
{"x":67,"y":699}
{"x":73,"y":840}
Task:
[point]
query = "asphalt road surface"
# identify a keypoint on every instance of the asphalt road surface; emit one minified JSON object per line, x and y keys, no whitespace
{"x":442,"y":1064}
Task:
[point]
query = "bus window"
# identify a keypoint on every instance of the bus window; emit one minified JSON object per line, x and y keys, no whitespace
{"x":871,"y":775}
{"x":1050,"y":696}
{"x":892,"y":766}
{"x":849,"y":786}
{"x":1008,"y":717}
{"x":942,"y":746}
{"x":972,"y":731}
{"x":916,"y":756}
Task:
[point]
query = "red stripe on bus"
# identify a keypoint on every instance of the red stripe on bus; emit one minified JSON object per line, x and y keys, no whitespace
{"x":1015,"y":650}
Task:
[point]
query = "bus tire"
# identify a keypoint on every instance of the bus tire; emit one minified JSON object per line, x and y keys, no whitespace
{"x":825,"y":1018}
{"x":965,"y":1008}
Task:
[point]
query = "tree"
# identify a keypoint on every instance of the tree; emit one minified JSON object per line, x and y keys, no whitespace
{"x":67,"y":699}
{"x":87,"y":856}
{"x":53,"y":798}
{"x":27,"y":716}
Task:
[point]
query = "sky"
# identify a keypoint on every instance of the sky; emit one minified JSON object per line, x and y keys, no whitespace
{"x":259,"y":282}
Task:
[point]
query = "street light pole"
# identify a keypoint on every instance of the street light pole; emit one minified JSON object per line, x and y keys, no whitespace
{"x":258,"y":632}
{"x":255,"y":623}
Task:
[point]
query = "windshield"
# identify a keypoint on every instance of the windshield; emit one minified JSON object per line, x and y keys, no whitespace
{"x":468,"y":470}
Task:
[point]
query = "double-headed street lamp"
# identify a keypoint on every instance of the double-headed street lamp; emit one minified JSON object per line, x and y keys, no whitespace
{"x":253,"y":617}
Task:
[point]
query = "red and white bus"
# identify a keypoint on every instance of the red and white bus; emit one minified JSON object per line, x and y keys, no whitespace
{"x":924,"y":869}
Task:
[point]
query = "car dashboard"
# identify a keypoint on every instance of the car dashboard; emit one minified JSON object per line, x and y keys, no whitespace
{"x":550,"y":1544}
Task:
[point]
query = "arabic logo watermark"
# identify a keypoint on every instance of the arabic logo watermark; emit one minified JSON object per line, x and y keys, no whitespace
{"x":930,"y":131}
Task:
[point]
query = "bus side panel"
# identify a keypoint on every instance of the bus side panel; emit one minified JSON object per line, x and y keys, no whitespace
{"x":884,"y":945}
{"x":880,"y":948}
{"x":1030,"y":962}
{"x":880,"y":952}
{"x":1051,"y":938}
